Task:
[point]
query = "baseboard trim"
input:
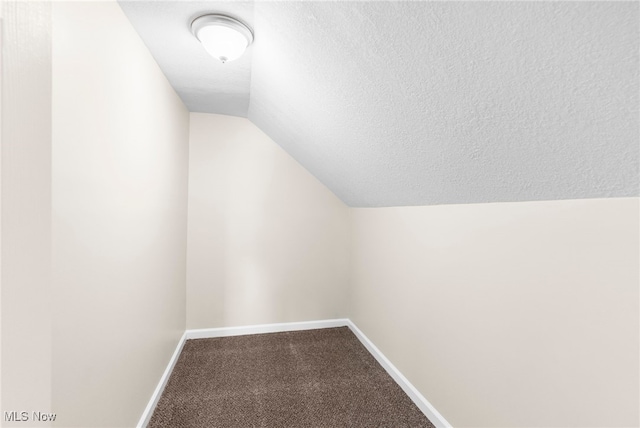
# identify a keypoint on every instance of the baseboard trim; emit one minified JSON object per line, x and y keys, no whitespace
{"x":148,"y":411}
{"x":206,"y":333}
{"x":420,"y":401}
{"x":423,"y":404}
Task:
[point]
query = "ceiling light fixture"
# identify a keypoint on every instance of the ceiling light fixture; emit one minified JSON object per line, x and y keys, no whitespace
{"x":223,"y":37}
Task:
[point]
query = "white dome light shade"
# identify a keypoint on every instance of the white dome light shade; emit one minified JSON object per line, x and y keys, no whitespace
{"x":223,"y":37}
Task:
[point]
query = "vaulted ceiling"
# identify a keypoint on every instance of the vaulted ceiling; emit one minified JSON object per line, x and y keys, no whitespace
{"x":417,"y":103}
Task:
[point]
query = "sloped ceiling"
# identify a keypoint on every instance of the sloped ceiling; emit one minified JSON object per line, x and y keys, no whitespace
{"x":419,"y":103}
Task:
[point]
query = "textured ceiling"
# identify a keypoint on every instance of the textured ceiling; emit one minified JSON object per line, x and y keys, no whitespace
{"x":418,"y":103}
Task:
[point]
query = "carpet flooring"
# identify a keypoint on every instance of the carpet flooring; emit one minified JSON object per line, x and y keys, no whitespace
{"x":313,"y":378}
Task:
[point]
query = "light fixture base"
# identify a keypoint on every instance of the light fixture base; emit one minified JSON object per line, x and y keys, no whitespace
{"x":223,"y":20}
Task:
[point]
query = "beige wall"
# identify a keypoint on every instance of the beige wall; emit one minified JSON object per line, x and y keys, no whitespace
{"x":26,"y":207}
{"x":267,"y":242}
{"x":507,"y":314}
{"x":119,"y":185}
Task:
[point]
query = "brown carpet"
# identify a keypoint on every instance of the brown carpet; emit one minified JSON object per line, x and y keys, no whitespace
{"x":313,"y":378}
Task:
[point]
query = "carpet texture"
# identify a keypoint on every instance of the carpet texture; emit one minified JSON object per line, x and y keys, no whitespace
{"x":313,"y":378}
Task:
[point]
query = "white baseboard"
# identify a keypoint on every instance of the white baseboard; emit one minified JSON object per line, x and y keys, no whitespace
{"x":206,"y":333}
{"x":423,"y":404}
{"x":148,"y":411}
{"x":430,"y":412}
